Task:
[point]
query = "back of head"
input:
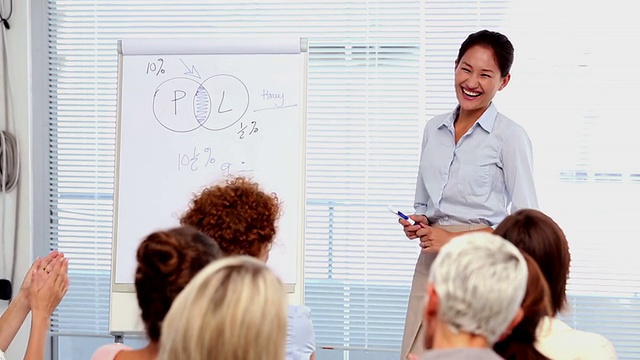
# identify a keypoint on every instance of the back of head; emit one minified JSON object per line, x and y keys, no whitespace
{"x":519,"y":344}
{"x":500,"y":44}
{"x":237,"y":214}
{"x":167,"y":261}
{"x":539,"y":236}
{"x":480,"y":280}
{"x":235,"y":308}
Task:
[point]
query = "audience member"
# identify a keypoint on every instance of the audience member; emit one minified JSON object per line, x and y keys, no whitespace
{"x":519,"y":344}
{"x":474,"y":292}
{"x":242,"y":219}
{"x":167,"y":261}
{"x":235,"y":308}
{"x":42,"y":289}
{"x":539,"y":236}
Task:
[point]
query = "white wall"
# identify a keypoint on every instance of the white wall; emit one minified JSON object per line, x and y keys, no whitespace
{"x":18,"y":41}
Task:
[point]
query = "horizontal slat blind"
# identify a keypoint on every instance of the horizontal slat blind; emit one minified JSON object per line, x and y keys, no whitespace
{"x":363,"y":120}
{"x":579,"y":116}
{"x":377,"y":71}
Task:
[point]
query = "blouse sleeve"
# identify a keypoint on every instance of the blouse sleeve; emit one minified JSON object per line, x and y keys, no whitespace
{"x":301,"y":341}
{"x":517,"y":165}
{"x":421,"y":196}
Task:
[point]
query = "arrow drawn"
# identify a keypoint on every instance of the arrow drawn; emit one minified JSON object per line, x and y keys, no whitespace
{"x":191,"y":71}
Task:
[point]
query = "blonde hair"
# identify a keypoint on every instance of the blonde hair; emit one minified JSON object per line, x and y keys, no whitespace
{"x":235,"y":308}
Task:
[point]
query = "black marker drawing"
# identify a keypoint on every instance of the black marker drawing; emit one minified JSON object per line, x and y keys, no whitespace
{"x":230,"y":97}
{"x":254,"y":129}
{"x":277,"y":98}
{"x":188,"y":162}
{"x":275,"y":108}
{"x":220,"y":111}
{"x":173,"y":108}
{"x":183,"y":104}
{"x":154,"y":68}
{"x":177,"y":95}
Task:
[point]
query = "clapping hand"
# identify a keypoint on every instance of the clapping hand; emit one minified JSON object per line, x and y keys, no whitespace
{"x":46,"y":264}
{"x":49,"y":284}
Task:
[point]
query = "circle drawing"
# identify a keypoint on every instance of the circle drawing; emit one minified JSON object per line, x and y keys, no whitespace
{"x":230,"y":101}
{"x":183,"y":104}
{"x":172,"y":105}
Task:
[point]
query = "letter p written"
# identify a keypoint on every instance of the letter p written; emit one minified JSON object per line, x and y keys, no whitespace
{"x":177,"y":95}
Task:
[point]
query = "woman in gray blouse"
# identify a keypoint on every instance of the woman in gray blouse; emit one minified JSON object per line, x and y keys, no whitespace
{"x":476,"y":165}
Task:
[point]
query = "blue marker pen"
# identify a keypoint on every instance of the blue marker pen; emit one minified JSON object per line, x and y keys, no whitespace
{"x":401,"y":215}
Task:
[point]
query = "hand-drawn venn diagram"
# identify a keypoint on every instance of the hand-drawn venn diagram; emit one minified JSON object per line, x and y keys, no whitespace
{"x":183,"y":104}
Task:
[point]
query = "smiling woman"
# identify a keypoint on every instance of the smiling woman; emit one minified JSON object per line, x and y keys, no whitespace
{"x":467,"y":176}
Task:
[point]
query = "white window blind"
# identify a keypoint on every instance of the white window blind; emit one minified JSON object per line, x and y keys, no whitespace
{"x":377,"y":71}
{"x":362,"y":146}
{"x":574,"y":92}
{"x":580,"y":117}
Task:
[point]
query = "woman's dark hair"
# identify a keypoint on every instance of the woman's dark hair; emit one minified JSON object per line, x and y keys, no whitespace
{"x":500,"y":44}
{"x":237,"y":214}
{"x":167,"y":261}
{"x":539,"y":236}
{"x":519,"y":345}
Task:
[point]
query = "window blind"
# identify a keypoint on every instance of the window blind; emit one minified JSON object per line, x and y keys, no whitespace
{"x":579,"y":115}
{"x":583,"y":139}
{"x":377,"y":71}
{"x":362,"y":147}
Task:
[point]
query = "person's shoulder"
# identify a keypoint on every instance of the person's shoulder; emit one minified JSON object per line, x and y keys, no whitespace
{"x":300,"y":321}
{"x":594,"y":346}
{"x":109,"y":351}
{"x":438,"y":119}
{"x":509,"y":131}
{"x":461,"y":353}
{"x":301,"y":342}
{"x":557,"y":340}
{"x":435,"y":122}
{"x":506,"y":124}
{"x":299,"y":311}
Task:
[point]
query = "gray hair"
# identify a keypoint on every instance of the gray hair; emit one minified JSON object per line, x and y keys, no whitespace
{"x":480,"y":280}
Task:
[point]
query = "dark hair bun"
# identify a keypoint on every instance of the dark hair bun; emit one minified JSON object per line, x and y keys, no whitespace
{"x":161,"y":254}
{"x":167,"y":261}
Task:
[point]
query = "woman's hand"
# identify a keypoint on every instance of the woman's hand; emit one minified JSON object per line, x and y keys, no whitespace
{"x":432,"y":239}
{"x":48,"y":287}
{"x":409,"y":229}
{"x":46,"y":264}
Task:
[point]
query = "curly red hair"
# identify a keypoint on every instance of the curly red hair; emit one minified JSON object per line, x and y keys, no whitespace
{"x":237,"y":214}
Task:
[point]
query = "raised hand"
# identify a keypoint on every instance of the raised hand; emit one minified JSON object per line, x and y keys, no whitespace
{"x":49,"y":284}
{"x":46,"y":263}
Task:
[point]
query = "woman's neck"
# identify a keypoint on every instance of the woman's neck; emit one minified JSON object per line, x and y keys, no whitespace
{"x":445,"y":338}
{"x":466,"y":118}
{"x":149,"y":352}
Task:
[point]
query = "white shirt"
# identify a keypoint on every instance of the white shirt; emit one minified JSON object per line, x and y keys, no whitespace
{"x":301,"y":340}
{"x":2,"y":355}
{"x":558,"y":341}
{"x":475,"y":180}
